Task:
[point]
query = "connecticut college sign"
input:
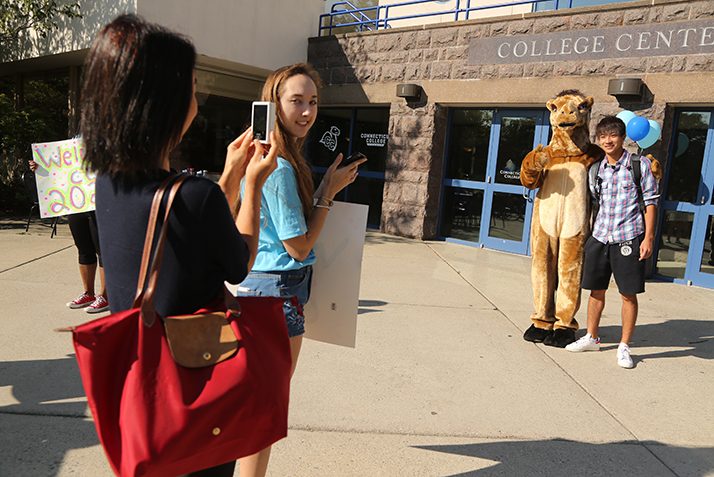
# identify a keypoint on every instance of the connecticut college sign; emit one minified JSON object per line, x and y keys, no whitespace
{"x":661,"y":39}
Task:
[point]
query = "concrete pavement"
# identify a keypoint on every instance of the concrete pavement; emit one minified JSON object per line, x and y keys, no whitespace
{"x":441,"y":382}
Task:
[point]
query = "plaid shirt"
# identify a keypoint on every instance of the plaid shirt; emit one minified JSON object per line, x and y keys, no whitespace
{"x":619,"y":218}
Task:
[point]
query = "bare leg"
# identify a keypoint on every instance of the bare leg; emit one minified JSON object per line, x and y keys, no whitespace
{"x":595,"y":306}
{"x":295,"y":345}
{"x":629,"y":317}
{"x":256,"y":465}
{"x":88,"y":272}
{"x":102,"y":282}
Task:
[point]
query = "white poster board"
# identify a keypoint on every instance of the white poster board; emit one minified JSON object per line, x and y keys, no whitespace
{"x":331,"y":312}
{"x":63,"y":186}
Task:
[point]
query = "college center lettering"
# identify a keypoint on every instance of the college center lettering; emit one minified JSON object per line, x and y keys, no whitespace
{"x":661,"y":39}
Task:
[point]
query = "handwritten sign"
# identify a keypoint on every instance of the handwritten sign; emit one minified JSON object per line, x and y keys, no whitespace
{"x":63,"y":186}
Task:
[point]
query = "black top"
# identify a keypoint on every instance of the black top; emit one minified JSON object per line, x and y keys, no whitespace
{"x":203,"y":246}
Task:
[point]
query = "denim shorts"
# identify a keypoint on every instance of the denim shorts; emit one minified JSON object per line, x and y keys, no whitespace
{"x":293,"y":285}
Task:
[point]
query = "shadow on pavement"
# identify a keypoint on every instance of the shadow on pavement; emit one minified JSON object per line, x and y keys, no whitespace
{"x":48,"y":387}
{"x":565,"y":458}
{"x":370,"y":306}
{"x":689,"y":337}
{"x":43,"y":416}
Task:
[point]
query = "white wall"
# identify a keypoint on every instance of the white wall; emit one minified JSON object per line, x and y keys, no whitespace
{"x":263,"y":34}
{"x":440,"y":6}
{"x":260,"y":34}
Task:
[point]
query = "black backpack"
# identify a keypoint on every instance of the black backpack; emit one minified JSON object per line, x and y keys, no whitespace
{"x":635,"y":169}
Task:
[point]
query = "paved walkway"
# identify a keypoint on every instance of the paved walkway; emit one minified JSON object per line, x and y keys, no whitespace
{"x":440,"y":383}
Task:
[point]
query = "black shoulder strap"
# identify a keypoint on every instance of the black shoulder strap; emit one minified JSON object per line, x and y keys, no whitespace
{"x":636,"y":171}
{"x":594,"y":175}
{"x":596,"y":181}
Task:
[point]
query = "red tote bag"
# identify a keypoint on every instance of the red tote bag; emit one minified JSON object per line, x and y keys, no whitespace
{"x":157,"y":418}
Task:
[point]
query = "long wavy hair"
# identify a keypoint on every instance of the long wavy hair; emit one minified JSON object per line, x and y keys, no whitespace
{"x":290,"y":147}
{"x":136,"y":95}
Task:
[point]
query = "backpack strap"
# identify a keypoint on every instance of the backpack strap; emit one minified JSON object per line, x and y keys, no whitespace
{"x":636,"y":171}
{"x":594,"y":175}
{"x":596,"y":181}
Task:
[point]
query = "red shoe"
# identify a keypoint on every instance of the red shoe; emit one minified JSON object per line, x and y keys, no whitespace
{"x":100,"y":304}
{"x":85,"y":299}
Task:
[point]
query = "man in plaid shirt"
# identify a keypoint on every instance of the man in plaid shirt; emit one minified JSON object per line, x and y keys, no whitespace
{"x":622,"y":237}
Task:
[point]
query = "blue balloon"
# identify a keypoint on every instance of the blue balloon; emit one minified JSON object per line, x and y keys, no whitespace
{"x":626,"y":116}
{"x":651,"y":137}
{"x":637,"y":128}
{"x":682,"y":144}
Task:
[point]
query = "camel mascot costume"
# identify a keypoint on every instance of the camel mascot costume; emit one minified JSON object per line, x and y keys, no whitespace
{"x":561,"y":218}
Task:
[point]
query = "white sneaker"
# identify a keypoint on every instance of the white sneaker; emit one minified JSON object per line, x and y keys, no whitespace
{"x":586,"y":343}
{"x":623,"y":356}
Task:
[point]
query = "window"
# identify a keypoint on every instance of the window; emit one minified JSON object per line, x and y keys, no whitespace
{"x":219,"y":121}
{"x":348,"y":130}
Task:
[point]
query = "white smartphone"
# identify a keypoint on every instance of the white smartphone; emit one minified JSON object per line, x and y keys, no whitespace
{"x":263,"y":120}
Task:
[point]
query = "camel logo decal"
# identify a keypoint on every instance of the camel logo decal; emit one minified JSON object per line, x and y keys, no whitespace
{"x":329,"y":139}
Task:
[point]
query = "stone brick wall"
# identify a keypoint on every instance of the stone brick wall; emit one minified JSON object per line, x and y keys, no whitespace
{"x":412,"y":185}
{"x":440,"y":53}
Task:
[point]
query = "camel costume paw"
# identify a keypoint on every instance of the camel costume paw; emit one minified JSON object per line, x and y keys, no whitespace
{"x":560,"y":338}
{"x":536,"y":335}
{"x":560,"y":223}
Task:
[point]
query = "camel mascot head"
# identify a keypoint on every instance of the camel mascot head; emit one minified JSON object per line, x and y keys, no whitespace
{"x":570,"y":119}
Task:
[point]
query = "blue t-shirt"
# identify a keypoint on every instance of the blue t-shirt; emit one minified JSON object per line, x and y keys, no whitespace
{"x":281,"y":218}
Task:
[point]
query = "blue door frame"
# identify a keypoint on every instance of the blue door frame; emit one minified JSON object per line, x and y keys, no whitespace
{"x":491,"y":186}
{"x":702,"y":209}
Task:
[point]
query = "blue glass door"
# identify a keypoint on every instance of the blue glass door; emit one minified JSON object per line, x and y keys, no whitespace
{"x":516,"y":133}
{"x":686,"y":234}
{"x":483,"y":201}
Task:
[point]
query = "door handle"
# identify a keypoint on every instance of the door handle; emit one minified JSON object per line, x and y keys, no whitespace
{"x":704,"y":199}
{"x":527,"y":194}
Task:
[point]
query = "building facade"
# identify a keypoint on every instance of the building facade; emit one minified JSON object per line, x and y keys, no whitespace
{"x":239,"y":42}
{"x":457,"y":105}
{"x":445,"y":111}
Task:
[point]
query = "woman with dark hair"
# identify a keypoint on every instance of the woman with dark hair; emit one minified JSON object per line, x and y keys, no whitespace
{"x":292,"y":212}
{"x":138,"y":101}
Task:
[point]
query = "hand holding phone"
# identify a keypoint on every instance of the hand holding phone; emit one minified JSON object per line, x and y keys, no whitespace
{"x":355,"y":156}
{"x":263,"y":120}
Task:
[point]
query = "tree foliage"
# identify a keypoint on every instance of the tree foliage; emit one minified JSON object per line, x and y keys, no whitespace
{"x":44,"y":116}
{"x":17,"y":16}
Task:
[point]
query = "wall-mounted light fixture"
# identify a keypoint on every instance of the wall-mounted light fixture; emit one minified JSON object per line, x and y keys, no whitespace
{"x":409,"y":91}
{"x":625,"y":87}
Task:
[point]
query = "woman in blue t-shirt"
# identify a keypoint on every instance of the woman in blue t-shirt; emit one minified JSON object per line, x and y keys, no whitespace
{"x":292,"y":211}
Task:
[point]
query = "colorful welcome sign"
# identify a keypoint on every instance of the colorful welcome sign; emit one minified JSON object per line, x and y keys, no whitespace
{"x":63,"y":186}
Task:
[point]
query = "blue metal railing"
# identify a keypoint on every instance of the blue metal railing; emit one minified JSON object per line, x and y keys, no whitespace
{"x":381,"y":18}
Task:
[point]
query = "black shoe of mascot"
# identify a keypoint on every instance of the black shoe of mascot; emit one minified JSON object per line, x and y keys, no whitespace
{"x":537,"y":335}
{"x":560,"y":338}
